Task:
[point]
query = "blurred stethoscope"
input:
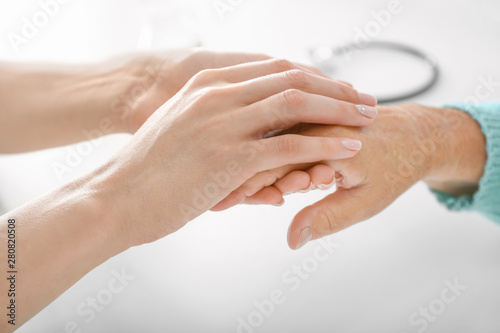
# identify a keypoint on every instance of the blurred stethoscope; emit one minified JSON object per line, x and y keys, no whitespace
{"x":179,"y":29}
{"x":330,"y":59}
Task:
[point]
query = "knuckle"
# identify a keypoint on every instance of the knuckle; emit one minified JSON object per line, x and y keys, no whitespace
{"x":348,"y":93}
{"x":328,"y":219}
{"x":294,"y":98}
{"x":282,"y":65}
{"x":288,"y":145}
{"x":297,"y":78}
{"x":210,"y":94}
{"x":346,"y":182}
{"x":205,"y":77}
{"x":353,"y":178}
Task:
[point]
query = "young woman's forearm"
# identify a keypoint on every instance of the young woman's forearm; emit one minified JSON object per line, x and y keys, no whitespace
{"x":57,"y":239}
{"x":192,"y":152}
{"x":42,"y":108}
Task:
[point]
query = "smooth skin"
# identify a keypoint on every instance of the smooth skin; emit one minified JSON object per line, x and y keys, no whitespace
{"x":194,"y":150}
{"x":407,"y":143}
{"x":47,"y":106}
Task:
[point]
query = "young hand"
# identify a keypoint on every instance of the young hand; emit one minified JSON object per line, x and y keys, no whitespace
{"x":211,"y":137}
{"x":158,"y":77}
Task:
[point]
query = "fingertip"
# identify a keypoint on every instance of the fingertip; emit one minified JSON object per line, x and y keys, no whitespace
{"x":293,"y":182}
{"x":300,"y":230}
{"x":367,"y":111}
{"x":352,"y":145}
{"x":305,"y":236}
{"x":281,"y":203}
{"x":268,"y":195}
{"x":322,"y":176}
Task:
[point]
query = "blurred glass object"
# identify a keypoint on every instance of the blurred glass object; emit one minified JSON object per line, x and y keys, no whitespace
{"x":167,"y":25}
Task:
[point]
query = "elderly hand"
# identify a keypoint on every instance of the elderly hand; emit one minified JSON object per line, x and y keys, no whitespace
{"x":407,"y":143}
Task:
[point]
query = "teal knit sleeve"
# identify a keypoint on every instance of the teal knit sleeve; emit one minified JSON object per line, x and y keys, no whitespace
{"x":487,"y":198}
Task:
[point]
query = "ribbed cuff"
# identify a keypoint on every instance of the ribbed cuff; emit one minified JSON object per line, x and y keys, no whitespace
{"x":487,"y":198}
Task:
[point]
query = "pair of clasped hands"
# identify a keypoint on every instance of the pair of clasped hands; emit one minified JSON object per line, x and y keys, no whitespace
{"x":265,"y":128}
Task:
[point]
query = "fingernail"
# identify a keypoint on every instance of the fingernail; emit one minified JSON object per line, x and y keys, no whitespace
{"x":307,"y":189}
{"x":367,"y":111}
{"x":280,"y":204}
{"x":305,"y":236}
{"x":326,"y":186}
{"x":367,"y":99}
{"x":350,"y":144}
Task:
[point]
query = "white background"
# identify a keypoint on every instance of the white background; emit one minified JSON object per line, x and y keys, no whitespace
{"x":206,"y":276}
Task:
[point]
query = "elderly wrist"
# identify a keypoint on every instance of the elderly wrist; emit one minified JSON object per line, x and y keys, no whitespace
{"x":436,"y":136}
{"x":461,"y":154}
{"x":418,"y":141}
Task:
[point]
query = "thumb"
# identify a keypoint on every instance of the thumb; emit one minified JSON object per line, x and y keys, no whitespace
{"x":335,"y":212}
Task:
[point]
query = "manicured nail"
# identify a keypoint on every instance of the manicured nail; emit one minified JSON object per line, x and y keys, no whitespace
{"x":350,"y":144}
{"x":326,"y":186}
{"x":367,"y":111}
{"x":367,"y":99}
{"x":305,"y":236}
{"x":307,"y":189}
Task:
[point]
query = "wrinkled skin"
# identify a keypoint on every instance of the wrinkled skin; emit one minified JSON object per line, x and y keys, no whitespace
{"x":406,"y":144}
